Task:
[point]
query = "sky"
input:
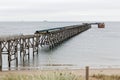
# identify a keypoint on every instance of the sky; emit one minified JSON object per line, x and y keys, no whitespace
{"x":60,"y":10}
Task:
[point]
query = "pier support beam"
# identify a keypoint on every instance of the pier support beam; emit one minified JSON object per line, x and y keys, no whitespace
{"x":0,"y":57}
{"x":16,"y":54}
{"x":9,"y":56}
{"x":28,"y":46}
{"x":33,"y":47}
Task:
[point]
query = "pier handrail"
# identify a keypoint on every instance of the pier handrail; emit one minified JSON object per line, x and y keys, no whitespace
{"x":57,"y":29}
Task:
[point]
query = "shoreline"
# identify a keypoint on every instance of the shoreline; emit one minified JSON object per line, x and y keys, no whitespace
{"x":105,"y":71}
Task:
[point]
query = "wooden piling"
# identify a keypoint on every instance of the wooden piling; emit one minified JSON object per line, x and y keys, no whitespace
{"x":33,"y":47}
{"x":28,"y":46}
{"x":9,"y":56}
{"x":20,"y":47}
{"x":37,"y":44}
{"x":0,"y":57}
{"x":24,"y":52}
{"x":16,"y":54}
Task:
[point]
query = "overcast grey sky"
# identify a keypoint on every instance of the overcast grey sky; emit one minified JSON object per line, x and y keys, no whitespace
{"x":60,"y":10}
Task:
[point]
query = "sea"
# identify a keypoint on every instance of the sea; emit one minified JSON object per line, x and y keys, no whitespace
{"x":96,"y":47}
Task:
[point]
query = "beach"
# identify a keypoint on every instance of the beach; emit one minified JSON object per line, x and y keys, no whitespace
{"x":106,"y":71}
{"x":77,"y":72}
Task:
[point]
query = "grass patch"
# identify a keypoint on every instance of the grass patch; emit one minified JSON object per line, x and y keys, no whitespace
{"x":106,"y":77}
{"x":42,"y":76}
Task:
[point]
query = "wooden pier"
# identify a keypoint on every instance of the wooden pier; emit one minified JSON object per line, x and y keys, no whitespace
{"x":21,"y":44}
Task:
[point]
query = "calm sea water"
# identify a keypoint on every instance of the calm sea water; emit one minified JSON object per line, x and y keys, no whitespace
{"x":94,"y":47}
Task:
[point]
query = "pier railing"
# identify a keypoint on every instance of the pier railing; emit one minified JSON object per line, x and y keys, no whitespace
{"x":21,"y":44}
